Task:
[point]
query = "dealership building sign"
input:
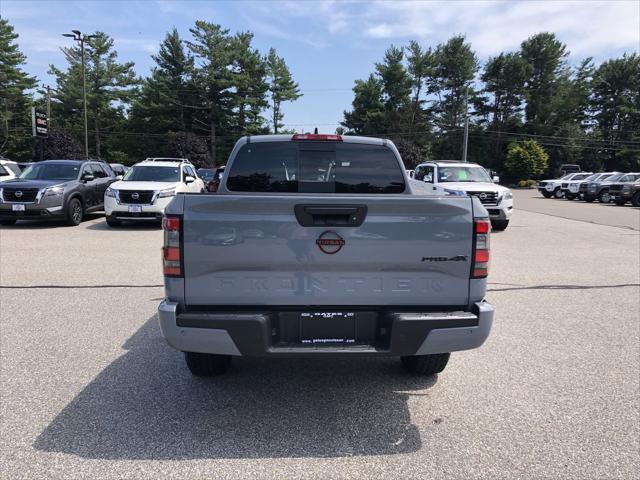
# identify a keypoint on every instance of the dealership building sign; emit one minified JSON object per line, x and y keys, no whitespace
{"x":40,"y":123}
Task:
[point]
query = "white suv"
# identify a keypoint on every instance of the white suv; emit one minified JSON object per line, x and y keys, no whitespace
{"x":147,"y":188}
{"x":462,"y":178}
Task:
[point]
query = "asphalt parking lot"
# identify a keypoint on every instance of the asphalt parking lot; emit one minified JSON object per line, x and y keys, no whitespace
{"x":89,"y":389}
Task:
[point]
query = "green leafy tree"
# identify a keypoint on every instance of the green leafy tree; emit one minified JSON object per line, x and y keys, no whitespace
{"x":525,"y":160}
{"x":282,"y":88}
{"x":615,"y":107}
{"x":165,"y":97}
{"x":212,"y":76}
{"x":110,"y":89}
{"x":546,"y":61}
{"x":368,"y":115}
{"x":15,"y":99}
{"x":455,"y":68}
{"x":250,"y":82}
{"x":396,"y":88}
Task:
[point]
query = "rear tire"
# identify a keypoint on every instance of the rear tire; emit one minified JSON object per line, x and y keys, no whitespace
{"x":588,"y":199}
{"x":569,"y":196}
{"x":6,"y":223}
{"x":425,"y":364}
{"x":604,"y":197}
{"x":499,"y":225}
{"x":75,"y":212}
{"x":112,"y":222}
{"x":635,"y":201}
{"x":206,"y":364}
{"x":619,"y":202}
{"x":557,"y":193}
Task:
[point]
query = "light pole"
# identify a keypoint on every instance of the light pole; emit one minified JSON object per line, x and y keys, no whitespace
{"x":80,"y":38}
{"x":465,"y":142}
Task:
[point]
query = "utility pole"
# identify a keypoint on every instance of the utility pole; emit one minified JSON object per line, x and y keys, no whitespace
{"x":80,"y":38}
{"x":465,"y":143}
{"x":48,"y":104}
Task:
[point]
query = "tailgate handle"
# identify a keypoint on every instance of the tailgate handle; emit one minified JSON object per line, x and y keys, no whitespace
{"x":330,"y":215}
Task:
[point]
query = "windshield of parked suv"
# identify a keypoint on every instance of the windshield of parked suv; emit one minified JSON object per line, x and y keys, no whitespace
{"x":630,"y":177}
{"x":582,"y":176}
{"x":613,"y":178}
{"x":463,"y":174}
{"x":51,"y":171}
{"x":149,"y":173}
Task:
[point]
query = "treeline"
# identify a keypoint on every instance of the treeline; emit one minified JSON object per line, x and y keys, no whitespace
{"x":205,"y":91}
{"x":201,"y":95}
{"x":583,"y":114}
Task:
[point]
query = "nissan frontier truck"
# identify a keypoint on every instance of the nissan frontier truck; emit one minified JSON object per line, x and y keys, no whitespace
{"x":319,"y":245}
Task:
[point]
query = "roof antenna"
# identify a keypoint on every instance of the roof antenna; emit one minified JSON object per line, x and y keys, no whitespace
{"x":315,"y":131}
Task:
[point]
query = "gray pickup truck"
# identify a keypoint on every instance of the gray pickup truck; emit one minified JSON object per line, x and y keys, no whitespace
{"x":319,"y":245}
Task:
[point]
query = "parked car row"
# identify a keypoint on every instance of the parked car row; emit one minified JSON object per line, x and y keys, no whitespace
{"x":68,"y":189}
{"x":606,"y":187}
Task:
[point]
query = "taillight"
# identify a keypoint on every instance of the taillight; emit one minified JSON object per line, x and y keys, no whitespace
{"x":321,"y":137}
{"x":172,"y":251}
{"x":480,"y":263}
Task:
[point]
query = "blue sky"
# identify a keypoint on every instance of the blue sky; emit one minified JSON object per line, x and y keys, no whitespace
{"x":327,"y":44}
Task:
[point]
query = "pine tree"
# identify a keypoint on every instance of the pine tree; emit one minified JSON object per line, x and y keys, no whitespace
{"x":110,"y":88}
{"x":282,"y":87}
{"x":15,"y":100}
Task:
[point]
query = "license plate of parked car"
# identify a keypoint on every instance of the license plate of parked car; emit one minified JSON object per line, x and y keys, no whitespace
{"x":18,"y":208}
{"x":135,"y":209}
{"x":328,"y":327}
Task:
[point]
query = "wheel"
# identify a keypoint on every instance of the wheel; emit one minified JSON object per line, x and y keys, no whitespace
{"x":74,"y":212}
{"x":546,"y":194}
{"x":569,"y":196}
{"x":557,"y":193}
{"x":604,"y":196}
{"x":7,"y":222}
{"x":112,"y":222}
{"x":588,"y":199}
{"x":635,"y":201}
{"x":206,"y":364}
{"x":425,"y":364}
{"x":499,"y":225}
{"x":620,"y":202}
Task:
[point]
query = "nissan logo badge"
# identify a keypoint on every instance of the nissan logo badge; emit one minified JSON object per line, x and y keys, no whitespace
{"x":483,"y":196}
{"x":330,"y":242}
{"x":135,"y":195}
{"x":18,"y":194}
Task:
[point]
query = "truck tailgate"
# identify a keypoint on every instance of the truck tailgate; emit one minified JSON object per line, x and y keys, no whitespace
{"x":252,"y":250}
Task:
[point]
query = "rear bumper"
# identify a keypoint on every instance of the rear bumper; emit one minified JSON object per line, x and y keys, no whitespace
{"x":255,"y":333}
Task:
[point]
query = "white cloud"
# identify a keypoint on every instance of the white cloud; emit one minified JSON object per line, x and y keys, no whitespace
{"x":588,"y":28}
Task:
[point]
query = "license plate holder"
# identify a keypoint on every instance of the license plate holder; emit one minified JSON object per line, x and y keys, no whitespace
{"x":18,"y":208}
{"x":135,"y":209}
{"x":328,"y":328}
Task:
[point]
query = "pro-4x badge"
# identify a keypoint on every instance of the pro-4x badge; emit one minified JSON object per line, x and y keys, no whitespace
{"x":455,"y":258}
{"x":330,"y":242}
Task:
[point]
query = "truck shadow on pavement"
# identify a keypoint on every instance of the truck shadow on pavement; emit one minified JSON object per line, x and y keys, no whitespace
{"x":146,"y":405}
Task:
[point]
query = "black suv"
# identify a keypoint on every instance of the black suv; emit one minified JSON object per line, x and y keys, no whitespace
{"x":624,"y":189}
{"x":600,"y":189}
{"x":55,"y":189}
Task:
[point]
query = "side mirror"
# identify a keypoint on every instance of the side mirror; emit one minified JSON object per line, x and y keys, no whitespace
{"x":428,"y":179}
{"x":189,"y":179}
{"x":87,"y":177}
{"x":496,"y":179}
{"x":118,"y":177}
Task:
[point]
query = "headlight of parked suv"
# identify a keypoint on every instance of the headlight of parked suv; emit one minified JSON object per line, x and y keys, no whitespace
{"x":53,"y":191}
{"x":167,"y":193}
{"x":508,"y":195}
{"x":626,"y":189}
{"x":455,"y":193}
{"x":110,"y":192}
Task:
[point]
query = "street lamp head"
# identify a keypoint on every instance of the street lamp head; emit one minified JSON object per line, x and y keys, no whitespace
{"x":77,"y":32}
{"x":71,"y":35}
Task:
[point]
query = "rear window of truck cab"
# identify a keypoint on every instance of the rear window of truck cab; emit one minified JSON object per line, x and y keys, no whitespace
{"x":315,"y":167}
